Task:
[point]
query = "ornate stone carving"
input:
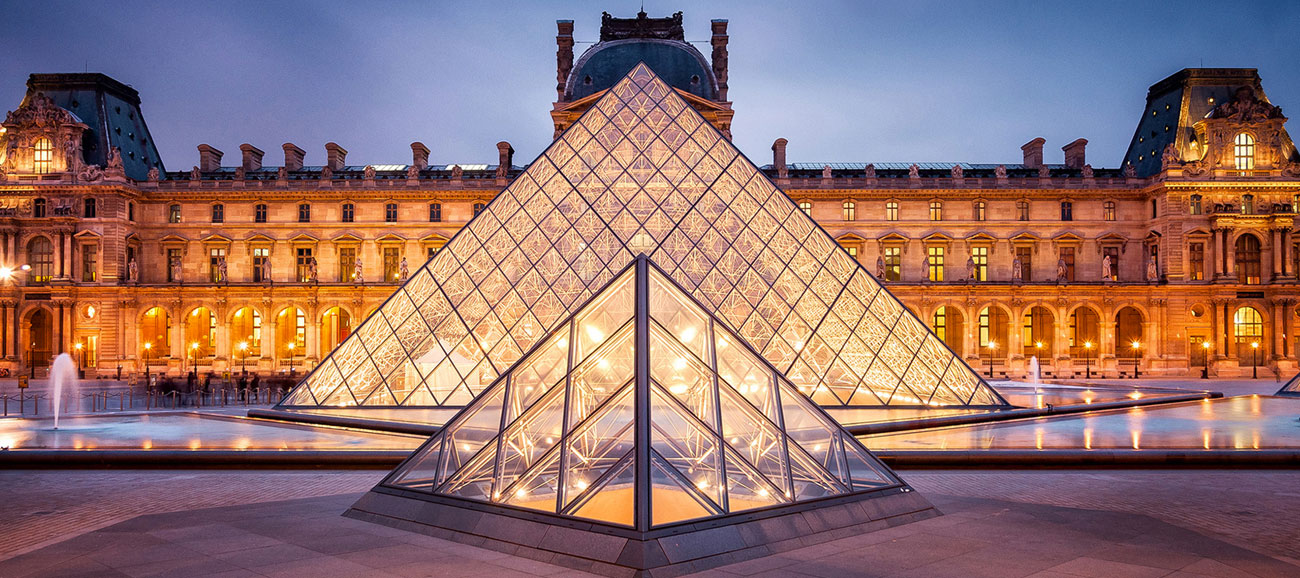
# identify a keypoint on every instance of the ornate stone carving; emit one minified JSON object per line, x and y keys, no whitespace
{"x":642,"y":26}
{"x":195,"y":174}
{"x":1169,"y":158}
{"x":970,"y":268}
{"x":282,"y":174}
{"x":871,"y":171}
{"x":358,"y":273}
{"x":1153,"y":272}
{"x":412,"y":172}
{"x":1044,"y":172}
{"x":153,"y":174}
{"x":312,"y":270}
{"x":457,"y":172}
{"x":222,"y":277}
{"x":913,"y":172}
{"x":1129,"y":171}
{"x":1105,"y":269}
{"x":1000,"y":171}
{"x":403,"y":271}
{"x":880,"y":268}
{"x":370,"y":172}
{"x":90,"y":174}
{"x":326,"y":173}
{"x":1017,"y":271}
{"x":826,"y":172}
{"x":1062,"y":270}
{"x":132,"y":271}
{"x":958,"y":172}
{"x":240,"y":174}
{"x":115,"y":167}
{"x":266,"y":270}
{"x":1087,"y":171}
{"x":1246,"y":106}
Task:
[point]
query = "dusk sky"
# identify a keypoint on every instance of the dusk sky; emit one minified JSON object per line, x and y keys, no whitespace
{"x":843,"y":81}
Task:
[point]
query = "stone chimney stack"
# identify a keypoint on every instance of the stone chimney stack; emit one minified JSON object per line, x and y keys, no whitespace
{"x":563,"y":55}
{"x":336,"y":156}
{"x":505,"y":154}
{"x":419,"y":155}
{"x":252,"y":157}
{"x":719,"y":42}
{"x":293,"y":157}
{"x":1074,"y":153}
{"x":1034,"y":152}
{"x":209,"y":158}
{"x":778,"y":158}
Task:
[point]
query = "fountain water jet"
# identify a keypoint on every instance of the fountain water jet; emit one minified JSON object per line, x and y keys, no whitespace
{"x":1034,"y":376}
{"x":63,"y":375}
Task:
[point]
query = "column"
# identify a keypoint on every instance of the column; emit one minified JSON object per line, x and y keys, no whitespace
{"x":65,"y":260}
{"x":1229,"y":347}
{"x":1213,"y":256}
{"x":1287,"y":240}
{"x":1229,"y":257}
{"x":1278,"y":327}
{"x":178,"y":338}
{"x":17,"y":351}
{"x":222,"y":349}
{"x":1288,"y":328}
{"x":269,"y":337}
{"x":4,"y":329}
{"x":1277,"y":254}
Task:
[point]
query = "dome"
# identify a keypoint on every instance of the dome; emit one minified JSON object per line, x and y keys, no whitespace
{"x":677,"y":63}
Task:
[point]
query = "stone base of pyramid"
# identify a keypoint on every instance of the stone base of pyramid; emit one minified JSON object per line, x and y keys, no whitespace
{"x":611,"y":551}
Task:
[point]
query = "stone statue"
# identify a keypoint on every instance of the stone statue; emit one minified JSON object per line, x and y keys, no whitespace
{"x":266,"y":269}
{"x":194,"y":174}
{"x":240,"y":173}
{"x":1017,"y":271}
{"x":70,"y":154}
{"x":913,"y":172}
{"x":958,"y":172}
{"x":1044,"y":172}
{"x":132,"y":271}
{"x":1105,"y":269}
{"x":1087,"y":171}
{"x":871,"y":171}
{"x":1246,"y":106}
{"x":826,"y":172}
{"x":176,"y":270}
{"x":90,"y":173}
{"x":1062,"y":271}
{"x":402,"y":270}
{"x":412,"y":172}
{"x":880,"y":268}
{"x":282,"y":174}
{"x":311,"y":270}
{"x":1153,"y":272}
{"x":153,"y":174}
{"x":457,"y":172}
{"x":1129,"y":171}
{"x":326,"y":173}
{"x":115,"y":161}
{"x":1169,"y":157}
{"x":1000,"y":171}
{"x":357,"y":276}
{"x":970,"y":268}
{"x":370,"y":172}
{"x":925,"y":269}
{"x":221,"y":270}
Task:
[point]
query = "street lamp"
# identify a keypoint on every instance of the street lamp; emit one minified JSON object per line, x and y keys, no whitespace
{"x":291,"y":346}
{"x":147,"y":348}
{"x":1205,"y":371}
{"x":1254,"y":360}
{"x":1087,"y":359}
{"x":993,"y":345}
{"x":80,"y":359}
{"x":194,"y":351}
{"x":1136,"y":346}
{"x":243,"y":356}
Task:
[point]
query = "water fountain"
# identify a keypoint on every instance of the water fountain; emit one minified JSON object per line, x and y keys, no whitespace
{"x":1034,"y":376}
{"x":63,"y":375}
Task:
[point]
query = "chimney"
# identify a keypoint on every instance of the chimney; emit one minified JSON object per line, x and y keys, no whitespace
{"x":209,"y":158}
{"x":1074,"y":154}
{"x":293,"y":157}
{"x":563,"y":55}
{"x":719,"y":42}
{"x":335,"y":156}
{"x":505,"y":154}
{"x":778,"y":158}
{"x":419,"y":155}
{"x":252,"y":157}
{"x":1034,"y":152}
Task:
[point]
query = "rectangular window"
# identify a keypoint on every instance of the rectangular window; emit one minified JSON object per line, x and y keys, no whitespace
{"x":1195,"y":207}
{"x":259,"y":213}
{"x":430,"y":252}
{"x":981,"y":210}
{"x":1026,"y":256}
{"x":43,"y":156}
{"x":981,"y":257}
{"x":349,"y":212}
{"x":89,"y":209}
{"x":303,"y":260}
{"x":347,"y":263}
{"x":130,"y":211}
{"x":260,"y":256}
{"x":435,"y":212}
{"x":1108,"y":210}
{"x":806,"y":207}
{"x":391,"y":260}
{"x":390,"y":213}
{"x":853,"y":252}
{"x":218,"y":213}
{"x":1067,"y":258}
{"x":1022,"y":210}
{"x":215,"y":256}
{"x":893,"y":263}
{"x":936,"y":210}
{"x":478,"y":208}
{"x":1067,"y":211}
{"x":891,"y":211}
{"x":174,"y":213}
{"x":304,"y":213}
{"x":1113,"y":253}
{"x":173,"y":256}
{"x":89,"y":263}
{"x":1196,"y":258}
{"x":850,"y":211}
{"x":935,"y":257}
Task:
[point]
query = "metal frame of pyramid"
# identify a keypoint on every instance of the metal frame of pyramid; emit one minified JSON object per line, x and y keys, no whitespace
{"x":1292,"y":387}
{"x":642,"y":171}
{"x":640,"y":422}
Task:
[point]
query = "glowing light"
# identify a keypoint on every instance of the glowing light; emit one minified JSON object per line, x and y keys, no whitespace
{"x":6,"y":272}
{"x":678,"y":389}
{"x":595,"y":333}
{"x":520,"y":493}
{"x":687,"y":335}
{"x":702,"y":484}
{"x":580,"y":484}
{"x":679,"y":363}
{"x":762,"y":492}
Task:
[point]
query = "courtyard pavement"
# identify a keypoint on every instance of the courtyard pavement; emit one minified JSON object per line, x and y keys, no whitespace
{"x":1034,"y":523}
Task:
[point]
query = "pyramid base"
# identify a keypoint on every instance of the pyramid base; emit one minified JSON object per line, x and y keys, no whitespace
{"x":674,"y":551}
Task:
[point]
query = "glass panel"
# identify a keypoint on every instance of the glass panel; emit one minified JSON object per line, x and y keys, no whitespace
{"x":601,"y":375}
{"x":670,"y":498}
{"x":474,"y":481}
{"x":689,"y":380}
{"x":753,"y":437}
{"x":612,"y":501}
{"x":812,"y":430}
{"x":597,"y":444}
{"x":537,"y":490}
{"x":420,"y":472}
{"x":536,"y":375}
{"x":678,"y":315}
{"x":604,"y":316}
{"x":471,"y":432}
{"x":746,"y":488}
{"x":864,"y":470}
{"x":686,"y":444}
{"x":809,"y":479}
{"x":534,"y":434}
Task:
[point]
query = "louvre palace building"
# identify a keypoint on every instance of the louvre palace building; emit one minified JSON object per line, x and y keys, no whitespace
{"x":1178,"y":256}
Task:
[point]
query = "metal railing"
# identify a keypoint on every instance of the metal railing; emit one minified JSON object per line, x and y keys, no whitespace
{"x":137,"y":399}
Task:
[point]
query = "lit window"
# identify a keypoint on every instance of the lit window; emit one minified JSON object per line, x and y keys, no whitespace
{"x":981,"y":257}
{"x":1243,"y":151}
{"x":981,"y":210}
{"x":215,"y":257}
{"x":304,"y":213}
{"x":936,"y":210}
{"x":435,"y":212}
{"x":303,"y":259}
{"x":893,"y":263}
{"x":40,"y":253}
{"x":1067,"y":211}
{"x":1248,"y":204}
{"x":891,"y":211}
{"x":1108,"y":210}
{"x":349,"y":213}
{"x":347,"y":263}
{"x":1196,"y":256}
{"x":260,"y":256}
{"x":390,"y":213}
{"x":392,"y":267}
{"x":850,"y":211}
{"x":1022,"y":210}
{"x":43,"y":156}
{"x":806,"y":207}
{"x":935,"y":257}
{"x":259,"y":213}
{"x":218,"y":213}
{"x":940,"y":323}
{"x":89,"y":263}
{"x":174,"y":214}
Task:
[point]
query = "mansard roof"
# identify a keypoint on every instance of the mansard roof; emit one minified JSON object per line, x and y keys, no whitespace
{"x":111,"y":110}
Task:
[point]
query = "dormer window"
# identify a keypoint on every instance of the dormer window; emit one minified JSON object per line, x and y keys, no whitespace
{"x":43,"y":156}
{"x":1243,"y":151}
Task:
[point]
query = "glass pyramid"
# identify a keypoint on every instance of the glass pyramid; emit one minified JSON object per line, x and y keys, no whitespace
{"x":641,"y":411}
{"x":642,"y":172}
{"x":1292,"y":387}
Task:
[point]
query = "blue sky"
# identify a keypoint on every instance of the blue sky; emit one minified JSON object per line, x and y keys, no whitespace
{"x":843,"y":81}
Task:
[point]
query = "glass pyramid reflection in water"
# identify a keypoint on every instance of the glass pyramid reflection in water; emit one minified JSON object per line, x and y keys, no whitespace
{"x":642,"y":172}
{"x":642,"y":393}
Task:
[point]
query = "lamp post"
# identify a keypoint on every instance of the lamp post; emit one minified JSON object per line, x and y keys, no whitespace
{"x":81,"y":356}
{"x":1205,"y":371}
{"x":147,"y":348}
{"x":1254,"y":360}
{"x":291,"y":346}
{"x":1087,"y":359}
{"x":243,"y":356}
{"x":194,"y":351}
{"x":993,"y":345}
{"x":1136,"y":346}
{"x":1038,"y":352}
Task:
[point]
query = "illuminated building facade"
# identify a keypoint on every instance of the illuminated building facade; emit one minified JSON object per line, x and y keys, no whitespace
{"x":1189,"y":242}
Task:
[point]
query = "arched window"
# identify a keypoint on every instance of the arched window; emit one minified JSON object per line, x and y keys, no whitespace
{"x":291,"y":333}
{"x":43,"y":156}
{"x":1243,"y":151}
{"x":947,"y":325}
{"x":40,"y":253}
{"x":850,"y":211}
{"x":246,"y":334}
{"x":1128,"y":330}
{"x":1248,"y":329}
{"x":155,"y":339}
{"x":335,"y":326}
{"x":1084,"y":332}
{"x":1248,"y":266}
{"x":993,"y":331}
{"x":200,"y":333}
{"x":981,"y":210}
{"x":1037,"y":332}
{"x":891,"y":211}
{"x":936,"y":210}
{"x":806,"y":207}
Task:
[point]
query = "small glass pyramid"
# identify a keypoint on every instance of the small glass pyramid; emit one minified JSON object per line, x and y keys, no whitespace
{"x":1292,"y":387}
{"x":642,"y":172}
{"x":641,"y":411}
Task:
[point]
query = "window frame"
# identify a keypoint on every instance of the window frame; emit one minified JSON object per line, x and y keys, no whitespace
{"x":1243,"y":151}
{"x":348,"y":213}
{"x":435,"y":212}
{"x":891,"y":210}
{"x":174,"y":213}
{"x":259,"y":213}
{"x":218,"y":213}
{"x":390,"y":212}
{"x":304,"y":212}
{"x":43,"y":155}
{"x":936,"y":210}
{"x":848,"y":211}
